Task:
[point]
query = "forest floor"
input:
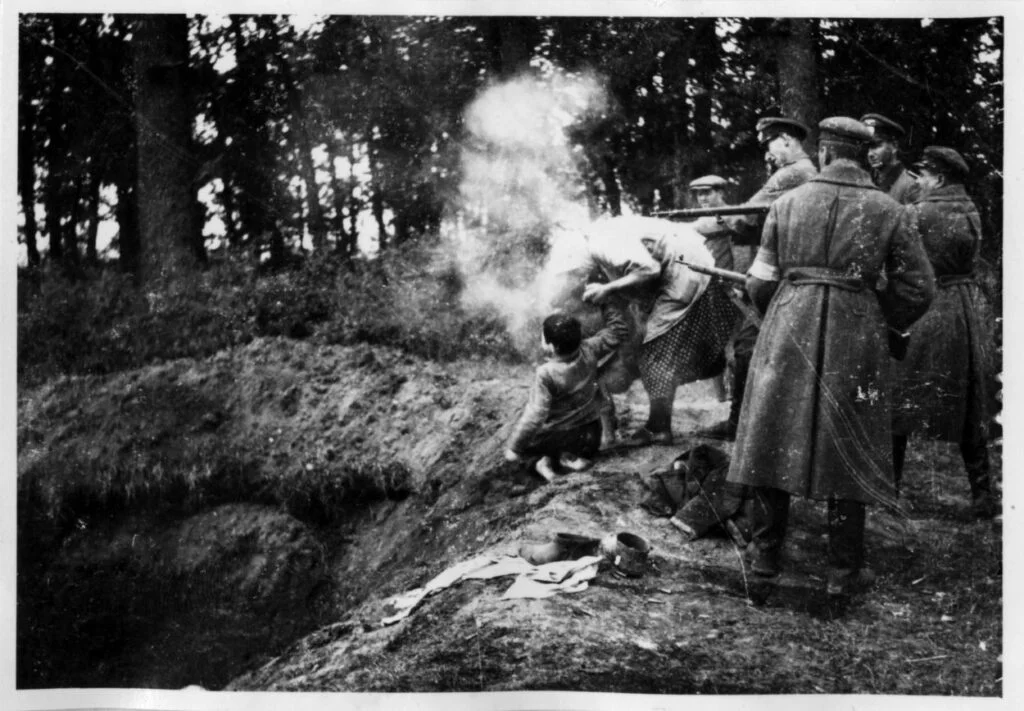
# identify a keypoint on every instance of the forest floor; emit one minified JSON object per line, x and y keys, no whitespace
{"x":252,"y":587}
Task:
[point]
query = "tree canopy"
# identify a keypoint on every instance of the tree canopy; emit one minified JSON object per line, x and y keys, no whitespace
{"x":307,"y":138}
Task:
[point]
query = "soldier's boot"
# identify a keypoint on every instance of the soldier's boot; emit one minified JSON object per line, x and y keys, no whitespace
{"x":847,"y":581}
{"x":979,"y":476}
{"x":770,"y":515}
{"x":564,"y":546}
{"x":847,"y":574}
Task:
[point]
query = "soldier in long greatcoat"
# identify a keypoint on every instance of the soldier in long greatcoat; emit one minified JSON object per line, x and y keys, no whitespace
{"x":941,"y":385}
{"x":817,"y":417}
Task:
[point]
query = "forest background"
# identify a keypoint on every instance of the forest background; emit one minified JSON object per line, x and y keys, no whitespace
{"x":174,"y":170}
{"x":191,"y":183}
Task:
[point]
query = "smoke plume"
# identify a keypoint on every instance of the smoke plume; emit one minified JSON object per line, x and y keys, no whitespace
{"x":522,"y":198}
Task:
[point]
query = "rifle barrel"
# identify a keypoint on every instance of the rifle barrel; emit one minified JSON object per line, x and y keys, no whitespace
{"x":713,"y":211}
{"x":734,"y":277}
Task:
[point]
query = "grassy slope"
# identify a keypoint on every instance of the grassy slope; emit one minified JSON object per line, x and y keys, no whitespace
{"x":339,"y":435}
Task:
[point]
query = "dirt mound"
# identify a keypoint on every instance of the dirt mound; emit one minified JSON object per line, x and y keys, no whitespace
{"x":135,"y":593}
{"x":326,"y":479}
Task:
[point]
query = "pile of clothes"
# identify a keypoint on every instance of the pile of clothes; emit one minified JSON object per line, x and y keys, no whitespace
{"x":694,"y":494}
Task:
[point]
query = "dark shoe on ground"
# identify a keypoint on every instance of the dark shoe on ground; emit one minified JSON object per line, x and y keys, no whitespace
{"x":644,"y":437}
{"x":565,"y":546}
{"x":725,"y":430}
{"x":765,"y":563}
{"x":849,"y":581}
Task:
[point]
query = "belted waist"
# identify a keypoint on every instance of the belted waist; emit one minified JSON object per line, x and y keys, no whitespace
{"x":947,"y":280}
{"x":799,"y":276}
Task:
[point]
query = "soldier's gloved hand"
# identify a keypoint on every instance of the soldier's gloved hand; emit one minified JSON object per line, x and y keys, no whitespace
{"x":511,"y":456}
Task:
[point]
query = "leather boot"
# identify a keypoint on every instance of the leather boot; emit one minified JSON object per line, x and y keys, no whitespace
{"x":848,"y":581}
{"x":976,"y":462}
{"x":564,"y":546}
{"x":770,"y":518}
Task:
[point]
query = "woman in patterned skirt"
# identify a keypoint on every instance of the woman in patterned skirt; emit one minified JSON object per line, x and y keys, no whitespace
{"x":690,"y":319}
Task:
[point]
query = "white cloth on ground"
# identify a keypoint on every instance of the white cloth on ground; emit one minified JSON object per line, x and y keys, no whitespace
{"x":533,"y":582}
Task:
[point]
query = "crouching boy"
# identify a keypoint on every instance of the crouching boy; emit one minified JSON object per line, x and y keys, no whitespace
{"x":561,"y":425}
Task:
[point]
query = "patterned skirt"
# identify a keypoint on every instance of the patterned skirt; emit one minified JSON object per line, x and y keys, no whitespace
{"x":694,"y":348}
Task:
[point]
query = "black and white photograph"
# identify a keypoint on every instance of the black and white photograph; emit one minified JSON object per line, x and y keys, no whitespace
{"x":526,"y":356}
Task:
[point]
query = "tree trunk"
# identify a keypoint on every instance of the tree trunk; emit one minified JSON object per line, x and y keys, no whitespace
{"x":304,"y":147}
{"x":128,"y":247}
{"x":511,"y":40}
{"x":339,"y":198}
{"x":706,"y":50}
{"x":56,"y":162}
{"x":163,"y":123}
{"x":27,"y":178}
{"x":93,"y":216}
{"x":611,"y":185}
{"x":355,"y":205}
{"x":677,"y":78}
{"x":377,"y":189}
{"x":799,"y":87}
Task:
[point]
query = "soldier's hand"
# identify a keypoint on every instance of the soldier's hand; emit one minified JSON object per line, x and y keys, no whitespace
{"x":511,"y":456}
{"x":595,"y":293}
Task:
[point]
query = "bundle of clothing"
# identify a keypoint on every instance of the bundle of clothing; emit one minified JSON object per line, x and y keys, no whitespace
{"x":693,"y":492}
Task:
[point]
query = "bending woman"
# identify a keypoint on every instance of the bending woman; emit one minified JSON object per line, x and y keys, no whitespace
{"x":690,"y":317}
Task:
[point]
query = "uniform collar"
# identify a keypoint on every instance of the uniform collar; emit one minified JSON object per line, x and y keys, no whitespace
{"x":887,"y":176}
{"x":843,"y":171}
{"x":797,"y":157}
{"x":947,"y":193}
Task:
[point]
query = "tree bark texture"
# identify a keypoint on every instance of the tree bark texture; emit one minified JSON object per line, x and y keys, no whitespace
{"x":27,"y":178}
{"x":799,"y":85}
{"x":512,"y":41}
{"x":163,"y":123}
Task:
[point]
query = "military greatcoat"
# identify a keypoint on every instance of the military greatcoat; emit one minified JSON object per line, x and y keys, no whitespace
{"x":941,"y":385}
{"x":816,"y":418}
{"x":896,"y":181}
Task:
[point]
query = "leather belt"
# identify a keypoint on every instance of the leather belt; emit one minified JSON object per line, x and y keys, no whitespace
{"x":799,"y":276}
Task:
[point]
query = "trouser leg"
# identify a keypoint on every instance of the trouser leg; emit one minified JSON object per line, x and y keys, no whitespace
{"x":899,"y":453}
{"x":660,"y":417}
{"x":846,"y":534}
{"x":743,"y":351}
{"x":975,"y":453}
{"x":976,"y":462}
{"x":770,"y":517}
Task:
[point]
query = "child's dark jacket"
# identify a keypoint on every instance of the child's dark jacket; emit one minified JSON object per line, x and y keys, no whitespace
{"x":565,"y":394}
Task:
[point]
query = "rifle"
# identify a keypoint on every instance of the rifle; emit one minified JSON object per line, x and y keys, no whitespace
{"x":898,"y":342}
{"x":735,"y":278}
{"x":695,"y":212}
